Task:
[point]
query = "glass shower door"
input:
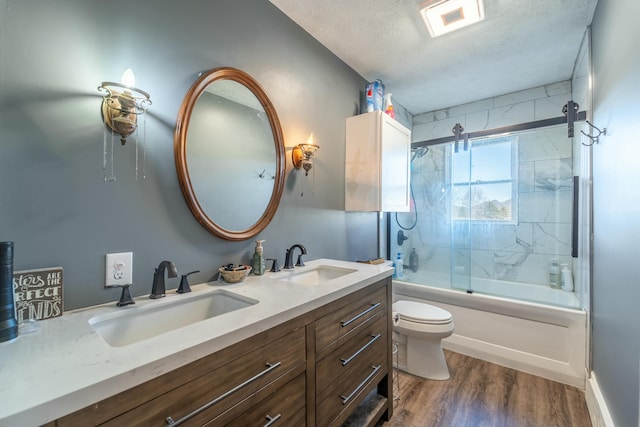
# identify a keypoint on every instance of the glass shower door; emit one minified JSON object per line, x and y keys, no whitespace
{"x":435,"y":251}
{"x":460,"y":216}
{"x":490,"y":219}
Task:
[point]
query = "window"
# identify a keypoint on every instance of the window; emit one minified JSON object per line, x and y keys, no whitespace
{"x":484,"y":180}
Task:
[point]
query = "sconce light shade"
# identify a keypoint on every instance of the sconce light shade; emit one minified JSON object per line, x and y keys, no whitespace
{"x":121,"y":106}
{"x":302,"y":154}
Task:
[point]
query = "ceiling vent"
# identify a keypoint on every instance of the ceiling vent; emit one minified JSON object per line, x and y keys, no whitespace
{"x":444,"y":16}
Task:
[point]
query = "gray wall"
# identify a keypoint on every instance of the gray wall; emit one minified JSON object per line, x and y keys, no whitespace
{"x":54,"y":203}
{"x":616,"y":316}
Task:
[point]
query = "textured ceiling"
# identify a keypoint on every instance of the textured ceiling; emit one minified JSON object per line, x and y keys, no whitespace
{"x":519,"y":45}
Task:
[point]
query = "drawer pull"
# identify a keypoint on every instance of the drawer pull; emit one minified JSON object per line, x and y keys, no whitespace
{"x":171,"y":422}
{"x":357,"y":316}
{"x":346,"y":399}
{"x":374,"y":338}
{"x":272,"y":420}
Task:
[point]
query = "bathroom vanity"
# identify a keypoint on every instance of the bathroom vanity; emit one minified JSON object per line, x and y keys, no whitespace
{"x":314,"y":347}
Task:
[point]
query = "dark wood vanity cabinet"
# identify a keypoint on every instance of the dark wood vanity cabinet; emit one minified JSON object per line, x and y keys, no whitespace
{"x":352,"y":357}
{"x":214,"y":390}
{"x":313,"y":370}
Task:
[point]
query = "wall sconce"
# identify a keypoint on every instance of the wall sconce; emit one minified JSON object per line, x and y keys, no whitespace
{"x":122,"y":104}
{"x":302,"y":154}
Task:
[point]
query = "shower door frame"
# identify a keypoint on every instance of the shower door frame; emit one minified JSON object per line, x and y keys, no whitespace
{"x":568,"y":118}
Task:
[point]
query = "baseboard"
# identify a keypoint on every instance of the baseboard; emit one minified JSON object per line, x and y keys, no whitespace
{"x":598,"y":410}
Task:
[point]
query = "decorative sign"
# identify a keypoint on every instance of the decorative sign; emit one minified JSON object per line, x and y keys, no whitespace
{"x":38,"y":293}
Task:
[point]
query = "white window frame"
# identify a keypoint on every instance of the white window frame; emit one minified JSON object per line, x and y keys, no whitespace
{"x":513,"y":140}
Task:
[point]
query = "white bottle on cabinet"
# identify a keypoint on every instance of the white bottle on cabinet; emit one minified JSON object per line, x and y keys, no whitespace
{"x":377,"y":164}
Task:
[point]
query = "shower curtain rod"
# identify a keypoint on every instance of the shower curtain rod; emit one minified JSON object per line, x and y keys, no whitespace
{"x":567,"y":118}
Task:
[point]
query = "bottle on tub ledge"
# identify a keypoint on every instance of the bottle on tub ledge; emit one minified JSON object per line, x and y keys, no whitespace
{"x":566,"y":278}
{"x":398,"y":265}
{"x":413,"y":261}
{"x":554,"y":274}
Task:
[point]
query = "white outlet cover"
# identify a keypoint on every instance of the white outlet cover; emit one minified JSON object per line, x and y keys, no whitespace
{"x":118,"y":269}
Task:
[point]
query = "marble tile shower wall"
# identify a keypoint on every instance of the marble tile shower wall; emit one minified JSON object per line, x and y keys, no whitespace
{"x":519,"y":251}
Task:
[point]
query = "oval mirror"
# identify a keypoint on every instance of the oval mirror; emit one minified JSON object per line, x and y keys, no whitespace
{"x":229,"y":154}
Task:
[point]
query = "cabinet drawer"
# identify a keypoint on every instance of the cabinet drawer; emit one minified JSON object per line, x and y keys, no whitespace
{"x":349,"y":390}
{"x":372,"y":337}
{"x":282,"y":408}
{"x":344,"y":320}
{"x":220,"y":389}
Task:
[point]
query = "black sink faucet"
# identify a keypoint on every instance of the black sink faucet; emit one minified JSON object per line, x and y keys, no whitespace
{"x":158,"y":289}
{"x":288,"y":261}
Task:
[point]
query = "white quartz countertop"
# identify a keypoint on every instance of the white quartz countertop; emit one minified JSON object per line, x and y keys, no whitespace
{"x":66,"y":366}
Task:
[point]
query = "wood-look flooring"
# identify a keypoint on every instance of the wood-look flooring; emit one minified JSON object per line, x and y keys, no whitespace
{"x":484,"y":394}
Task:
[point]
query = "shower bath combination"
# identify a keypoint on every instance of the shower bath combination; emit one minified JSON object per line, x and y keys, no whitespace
{"x":500,"y":224}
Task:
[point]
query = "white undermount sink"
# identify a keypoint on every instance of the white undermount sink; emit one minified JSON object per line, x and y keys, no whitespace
{"x":137,"y":324}
{"x":314,"y":275}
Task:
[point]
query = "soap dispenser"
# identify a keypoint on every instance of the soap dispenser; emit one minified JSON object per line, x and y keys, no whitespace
{"x":258,"y":259}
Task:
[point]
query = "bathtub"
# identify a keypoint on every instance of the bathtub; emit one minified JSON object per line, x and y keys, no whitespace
{"x":548,"y":341}
{"x":526,"y":292}
{"x":499,"y":288}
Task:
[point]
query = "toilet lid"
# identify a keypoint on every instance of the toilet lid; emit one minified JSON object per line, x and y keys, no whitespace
{"x":419,"y":312}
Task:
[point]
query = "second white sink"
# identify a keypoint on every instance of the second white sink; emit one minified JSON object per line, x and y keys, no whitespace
{"x":314,"y":275}
{"x":137,"y":324}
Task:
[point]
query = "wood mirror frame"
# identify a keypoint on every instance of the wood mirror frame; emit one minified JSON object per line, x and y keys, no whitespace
{"x":180,"y":149}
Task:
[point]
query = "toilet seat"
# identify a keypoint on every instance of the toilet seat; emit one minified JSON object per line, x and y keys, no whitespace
{"x":418,"y":312}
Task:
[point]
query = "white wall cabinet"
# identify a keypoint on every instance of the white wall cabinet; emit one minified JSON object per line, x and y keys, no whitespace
{"x":377,"y":162}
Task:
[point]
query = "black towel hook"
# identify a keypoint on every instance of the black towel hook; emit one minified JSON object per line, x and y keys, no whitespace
{"x":594,"y":139}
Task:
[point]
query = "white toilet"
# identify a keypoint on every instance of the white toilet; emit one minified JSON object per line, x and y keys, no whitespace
{"x":421,"y":327}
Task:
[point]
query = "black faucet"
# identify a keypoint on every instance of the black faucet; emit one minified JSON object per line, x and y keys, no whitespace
{"x":288,"y":262}
{"x":158,"y":289}
{"x":274,"y":267}
{"x":184,"y":287}
{"x":125,"y":296}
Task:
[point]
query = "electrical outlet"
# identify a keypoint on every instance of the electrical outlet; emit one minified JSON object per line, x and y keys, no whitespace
{"x":118,"y":269}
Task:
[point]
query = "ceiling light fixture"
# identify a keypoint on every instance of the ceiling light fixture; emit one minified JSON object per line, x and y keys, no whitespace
{"x":444,"y":16}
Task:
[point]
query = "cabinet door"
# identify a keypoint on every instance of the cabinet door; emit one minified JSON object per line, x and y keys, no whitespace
{"x":377,"y":158}
{"x":396,"y":174}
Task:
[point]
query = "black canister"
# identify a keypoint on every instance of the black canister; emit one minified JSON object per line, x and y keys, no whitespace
{"x":8,"y":323}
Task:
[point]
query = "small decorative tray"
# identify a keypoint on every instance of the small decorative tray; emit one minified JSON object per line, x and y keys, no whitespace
{"x":234,"y":274}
